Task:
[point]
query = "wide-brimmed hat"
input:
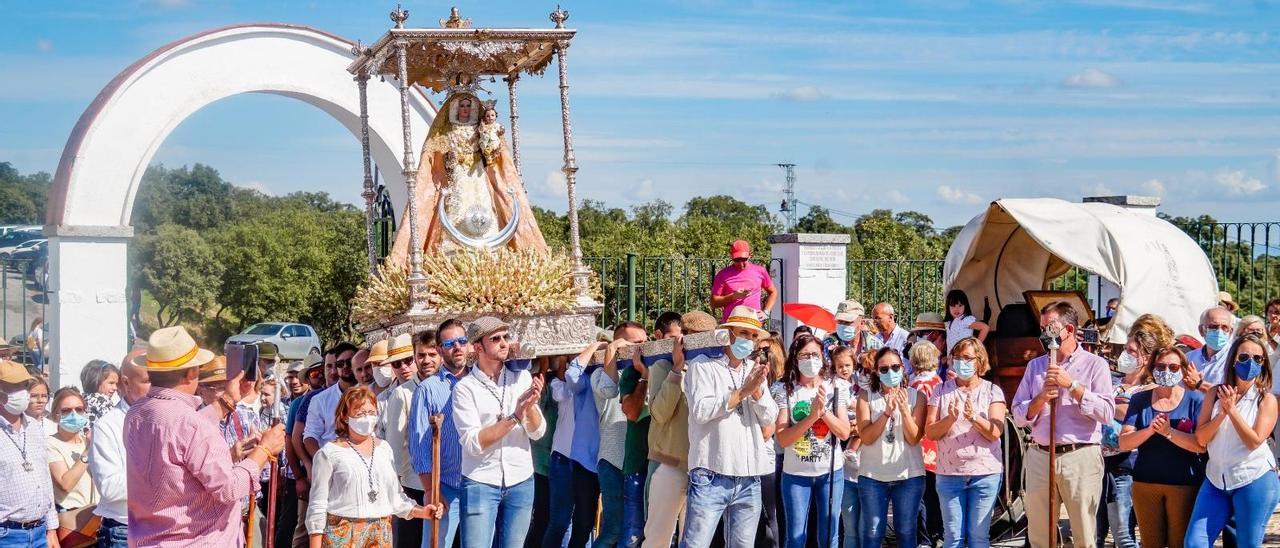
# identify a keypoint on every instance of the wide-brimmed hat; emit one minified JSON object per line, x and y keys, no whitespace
{"x":745,"y":317}
{"x":268,"y":350}
{"x":378,"y":352}
{"x":215,"y":370}
{"x":172,"y":349}
{"x":1225,"y":299}
{"x":483,"y":327}
{"x":850,"y":311}
{"x":14,"y":373}
{"x":400,"y":347}
{"x":697,"y":321}
{"x":929,"y":321}
{"x":297,"y":367}
{"x":312,"y":361}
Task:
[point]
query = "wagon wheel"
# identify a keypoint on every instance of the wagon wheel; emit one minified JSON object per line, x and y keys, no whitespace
{"x":1009,"y":518}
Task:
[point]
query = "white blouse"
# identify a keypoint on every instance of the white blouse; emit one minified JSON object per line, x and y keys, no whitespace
{"x":885,"y":460}
{"x":1231,"y":464}
{"x":340,"y":485}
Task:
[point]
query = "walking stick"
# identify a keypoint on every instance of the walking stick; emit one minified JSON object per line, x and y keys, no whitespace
{"x":269,"y":541}
{"x":831,"y":472}
{"x":1053,"y":445}
{"x":436,"y":421}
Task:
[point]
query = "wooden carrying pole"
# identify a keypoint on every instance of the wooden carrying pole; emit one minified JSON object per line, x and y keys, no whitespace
{"x":436,"y":421}
{"x":272,"y":486}
{"x":1053,"y":446}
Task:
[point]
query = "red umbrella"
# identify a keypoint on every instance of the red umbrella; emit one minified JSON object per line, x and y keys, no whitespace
{"x":811,"y":315}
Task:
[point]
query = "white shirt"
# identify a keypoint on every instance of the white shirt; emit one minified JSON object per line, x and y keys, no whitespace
{"x":897,"y":339}
{"x":1214,"y":369}
{"x":340,"y":485}
{"x":562,"y":440}
{"x":107,"y":464}
{"x":884,"y":460}
{"x":320,"y":415}
{"x":1231,"y":464}
{"x":613,"y":422}
{"x":479,"y":402}
{"x":959,"y":329}
{"x":809,"y":455}
{"x":395,"y":425}
{"x":726,"y":440}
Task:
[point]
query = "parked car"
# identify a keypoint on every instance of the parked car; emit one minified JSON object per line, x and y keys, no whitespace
{"x":5,"y":230}
{"x":27,"y":251}
{"x":12,"y":240}
{"x":294,"y":340}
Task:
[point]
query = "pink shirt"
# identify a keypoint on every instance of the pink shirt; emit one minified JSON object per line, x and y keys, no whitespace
{"x":183,"y":489}
{"x":1078,"y":421}
{"x":731,"y":278}
{"x":964,"y":451}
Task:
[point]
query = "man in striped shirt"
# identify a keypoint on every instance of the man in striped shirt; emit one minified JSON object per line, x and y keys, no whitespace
{"x":434,"y":396}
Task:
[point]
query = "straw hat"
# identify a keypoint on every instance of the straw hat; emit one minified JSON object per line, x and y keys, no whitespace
{"x":14,"y":373}
{"x":172,"y":349}
{"x":850,"y":311}
{"x":401,"y":347}
{"x":268,"y":350}
{"x":377,"y":352}
{"x":215,"y":370}
{"x":929,"y":321}
{"x":312,"y":361}
{"x":745,"y":317}
{"x":1225,"y":299}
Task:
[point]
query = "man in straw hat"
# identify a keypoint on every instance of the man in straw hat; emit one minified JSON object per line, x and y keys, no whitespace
{"x":186,"y":491}
{"x":27,"y":514}
{"x":731,"y":419}
{"x":434,"y":396}
{"x":400,"y":365}
{"x":496,"y":411}
{"x":298,"y":460}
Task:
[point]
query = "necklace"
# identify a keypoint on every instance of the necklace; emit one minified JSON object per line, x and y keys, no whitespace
{"x":736,"y":382}
{"x":26,"y":463}
{"x":502,"y":400}
{"x":368,"y":466}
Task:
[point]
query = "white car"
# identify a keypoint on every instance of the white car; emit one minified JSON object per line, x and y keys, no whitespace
{"x":294,"y":340}
{"x":18,"y":240}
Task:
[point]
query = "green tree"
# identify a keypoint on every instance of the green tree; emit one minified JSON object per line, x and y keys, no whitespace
{"x":275,"y":265}
{"x":194,"y":197}
{"x":818,"y":221}
{"x":22,"y":197}
{"x":177,"y":267}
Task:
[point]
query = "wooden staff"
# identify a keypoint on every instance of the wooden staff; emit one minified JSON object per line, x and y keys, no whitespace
{"x":436,"y":421}
{"x":1053,"y":445}
{"x":269,"y":541}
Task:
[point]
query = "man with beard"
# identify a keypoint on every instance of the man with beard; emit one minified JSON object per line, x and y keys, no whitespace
{"x":434,"y":396}
{"x":426,"y":354}
{"x":320,"y":414}
{"x":297,"y":458}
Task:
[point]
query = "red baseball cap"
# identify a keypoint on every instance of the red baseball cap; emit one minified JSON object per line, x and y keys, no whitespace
{"x":740,"y":249}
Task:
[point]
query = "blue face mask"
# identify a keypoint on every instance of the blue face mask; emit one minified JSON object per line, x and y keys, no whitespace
{"x":891,"y":379}
{"x":73,"y":422}
{"x":742,"y":347}
{"x":1248,"y":370}
{"x":845,"y":332}
{"x":1216,"y":339}
{"x":964,"y":368}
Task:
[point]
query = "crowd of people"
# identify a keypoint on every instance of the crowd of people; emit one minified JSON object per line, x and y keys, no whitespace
{"x":875,"y":431}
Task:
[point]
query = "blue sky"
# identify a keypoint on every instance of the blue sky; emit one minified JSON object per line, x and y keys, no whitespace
{"x":937,"y":106}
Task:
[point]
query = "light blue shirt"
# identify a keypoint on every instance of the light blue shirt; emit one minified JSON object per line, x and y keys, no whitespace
{"x":435,"y":396}
{"x":586,"y":420}
{"x":1214,"y":369}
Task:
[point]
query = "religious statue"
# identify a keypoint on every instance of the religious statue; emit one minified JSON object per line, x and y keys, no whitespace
{"x":469,"y":194}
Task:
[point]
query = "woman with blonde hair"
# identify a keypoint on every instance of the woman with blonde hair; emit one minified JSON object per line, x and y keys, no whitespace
{"x":355,"y":486}
{"x":966,"y":418}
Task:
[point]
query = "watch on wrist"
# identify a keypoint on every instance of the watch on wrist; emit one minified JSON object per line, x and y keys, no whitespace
{"x":1074,"y":385}
{"x":84,"y":458}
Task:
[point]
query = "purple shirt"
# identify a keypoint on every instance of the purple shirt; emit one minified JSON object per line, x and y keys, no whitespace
{"x":183,"y":489}
{"x":1078,"y":421}
{"x":731,"y":278}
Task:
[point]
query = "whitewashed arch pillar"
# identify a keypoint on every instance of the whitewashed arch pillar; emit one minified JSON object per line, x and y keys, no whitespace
{"x":115,"y":139}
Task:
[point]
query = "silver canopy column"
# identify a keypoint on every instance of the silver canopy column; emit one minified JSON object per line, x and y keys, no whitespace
{"x":362,"y":82}
{"x":417,"y":281}
{"x":581,"y":275}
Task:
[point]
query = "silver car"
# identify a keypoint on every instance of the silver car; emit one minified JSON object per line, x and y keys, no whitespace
{"x":294,"y":340}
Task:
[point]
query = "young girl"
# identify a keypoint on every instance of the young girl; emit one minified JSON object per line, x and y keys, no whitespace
{"x":962,"y":323}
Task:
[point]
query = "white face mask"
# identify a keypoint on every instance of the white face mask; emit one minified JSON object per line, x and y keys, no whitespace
{"x":17,"y":402}
{"x":363,"y":425}
{"x":1127,"y":362}
{"x":383,"y":375}
{"x":810,"y":367}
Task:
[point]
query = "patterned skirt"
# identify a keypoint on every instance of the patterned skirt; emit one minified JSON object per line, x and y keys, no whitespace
{"x":341,"y":532}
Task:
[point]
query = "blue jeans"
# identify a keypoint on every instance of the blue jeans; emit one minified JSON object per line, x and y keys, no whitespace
{"x":1251,"y":505}
{"x":1119,"y":512}
{"x":633,"y":505}
{"x":610,"y":505}
{"x":488,"y":509}
{"x":876,"y":496}
{"x":24,"y":538}
{"x":450,"y":520}
{"x":851,"y":513}
{"x":967,"y":503}
{"x":113,"y":534}
{"x":801,"y":492}
{"x":711,"y":495}
{"x":561,"y":511}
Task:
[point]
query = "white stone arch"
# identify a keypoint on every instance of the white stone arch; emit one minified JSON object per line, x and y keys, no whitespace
{"x":115,"y":139}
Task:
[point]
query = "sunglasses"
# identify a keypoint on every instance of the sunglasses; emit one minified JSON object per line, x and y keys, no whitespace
{"x":740,"y":261}
{"x":342,"y":363}
{"x":66,"y":410}
{"x":449,"y":344}
{"x":1242,"y":357}
{"x":1172,"y":366}
{"x":887,"y":368}
{"x":497,"y":338}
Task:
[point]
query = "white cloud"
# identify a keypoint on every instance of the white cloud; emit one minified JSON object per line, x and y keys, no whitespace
{"x":957,"y":195}
{"x":643,"y":190}
{"x":802,"y":93}
{"x":1091,"y":78}
{"x":256,"y":185}
{"x":554,"y":185}
{"x":1153,"y":187}
{"x":897,"y":197}
{"x":44,"y":44}
{"x":1098,"y":189}
{"x":1238,"y":183}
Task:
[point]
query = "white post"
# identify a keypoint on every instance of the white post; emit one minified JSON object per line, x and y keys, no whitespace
{"x":1100,"y":291}
{"x":88,"y":309}
{"x":814,"y":271}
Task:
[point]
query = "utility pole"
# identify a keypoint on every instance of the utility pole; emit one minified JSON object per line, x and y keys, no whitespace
{"x":789,"y":205}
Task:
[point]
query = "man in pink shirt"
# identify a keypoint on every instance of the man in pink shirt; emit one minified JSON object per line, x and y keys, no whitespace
{"x":743,"y":283}
{"x":183,"y":488}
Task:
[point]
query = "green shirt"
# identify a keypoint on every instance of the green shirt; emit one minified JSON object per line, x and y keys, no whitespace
{"x":541,"y":447}
{"x":636,"y":459}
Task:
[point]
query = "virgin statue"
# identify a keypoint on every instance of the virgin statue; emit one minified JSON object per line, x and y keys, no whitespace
{"x":465,"y":162}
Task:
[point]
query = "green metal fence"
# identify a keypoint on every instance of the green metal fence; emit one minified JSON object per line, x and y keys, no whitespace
{"x":912,"y":286}
{"x":22,"y":301}
{"x":639,"y":288}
